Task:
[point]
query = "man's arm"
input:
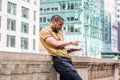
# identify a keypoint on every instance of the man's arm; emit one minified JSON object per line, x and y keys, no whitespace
{"x":59,"y":44}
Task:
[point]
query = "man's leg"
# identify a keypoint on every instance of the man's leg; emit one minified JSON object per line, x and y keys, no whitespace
{"x":62,"y":77}
{"x":66,"y":70}
{"x":69,"y":73}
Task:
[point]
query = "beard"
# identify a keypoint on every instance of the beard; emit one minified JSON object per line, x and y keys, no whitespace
{"x":55,"y":29}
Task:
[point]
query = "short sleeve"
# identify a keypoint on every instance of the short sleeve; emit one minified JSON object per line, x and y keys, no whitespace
{"x":44,"y":34}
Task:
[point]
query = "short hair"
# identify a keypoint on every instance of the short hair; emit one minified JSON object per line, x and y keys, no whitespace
{"x":56,"y":18}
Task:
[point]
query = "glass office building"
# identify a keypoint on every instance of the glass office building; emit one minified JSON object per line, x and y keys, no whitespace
{"x":85,"y":20}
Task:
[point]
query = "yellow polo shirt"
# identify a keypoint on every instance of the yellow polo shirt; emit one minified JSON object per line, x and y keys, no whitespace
{"x":47,"y":32}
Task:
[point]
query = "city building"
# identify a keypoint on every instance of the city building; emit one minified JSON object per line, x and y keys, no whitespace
{"x":19,"y":31}
{"x":85,"y":20}
{"x":110,"y":6}
{"x":117,"y":9}
{"x":118,"y":20}
{"x":119,"y":36}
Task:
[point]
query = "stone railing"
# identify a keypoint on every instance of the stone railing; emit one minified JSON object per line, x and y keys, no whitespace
{"x":21,"y":66}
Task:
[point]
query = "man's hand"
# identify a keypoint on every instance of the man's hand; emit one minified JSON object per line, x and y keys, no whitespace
{"x":73,"y":50}
{"x":76,"y":43}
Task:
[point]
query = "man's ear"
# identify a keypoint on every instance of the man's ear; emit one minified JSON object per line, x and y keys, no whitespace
{"x":53,"y":23}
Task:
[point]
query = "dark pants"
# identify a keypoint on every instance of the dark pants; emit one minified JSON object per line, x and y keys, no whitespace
{"x":65,"y":68}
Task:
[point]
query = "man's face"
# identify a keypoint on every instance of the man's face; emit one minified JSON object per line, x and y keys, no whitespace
{"x":57,"y":26}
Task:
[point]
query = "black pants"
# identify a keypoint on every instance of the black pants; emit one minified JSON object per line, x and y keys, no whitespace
{"x":65,"y":68}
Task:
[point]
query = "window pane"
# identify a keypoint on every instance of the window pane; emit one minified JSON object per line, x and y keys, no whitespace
{"x":24,"y":27}
{"x":34,"y":44}
{"x":24,"y":43}
{"x":62,"y":6}
{"x":25,"y":12}
{"x":35,"y":2}
{"x":11,"y":25}
{"x":34,"y":16}
{"x":34,"y":29}
{"x":73,"y":28}
{"x":28,"y":1}
{"x":11,"y":8}
{"x":10,"y":41}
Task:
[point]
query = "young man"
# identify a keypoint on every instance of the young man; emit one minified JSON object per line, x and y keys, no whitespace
{"x":52,"y":39}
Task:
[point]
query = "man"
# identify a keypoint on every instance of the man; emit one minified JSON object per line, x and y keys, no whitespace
{"x":52,"y":39}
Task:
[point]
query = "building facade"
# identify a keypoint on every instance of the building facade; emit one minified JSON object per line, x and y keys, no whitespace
{"x":118,"y":20}
{"x":84,"y":21}
{"x":119,"y":36}
{"x":110,"y":6}
{"x":117,"y":9}
{"x":19,"y":31}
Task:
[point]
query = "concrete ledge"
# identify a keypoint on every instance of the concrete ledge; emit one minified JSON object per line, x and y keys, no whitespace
{"x":29,"y":66}
{"x":44,"y":56}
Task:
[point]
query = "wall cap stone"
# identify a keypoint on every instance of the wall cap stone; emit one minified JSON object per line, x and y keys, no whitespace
{"x":46,"y":57}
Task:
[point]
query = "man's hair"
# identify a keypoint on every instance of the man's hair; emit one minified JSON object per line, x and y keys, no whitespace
{"x":56,"y":18}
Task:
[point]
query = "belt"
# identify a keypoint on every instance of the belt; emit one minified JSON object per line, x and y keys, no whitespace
{"x":60,"y":57}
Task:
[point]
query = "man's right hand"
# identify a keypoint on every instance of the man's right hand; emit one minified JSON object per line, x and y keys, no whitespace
{"x":76,"y":43}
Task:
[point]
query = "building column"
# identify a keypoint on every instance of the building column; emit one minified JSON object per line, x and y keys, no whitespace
{"x":116,"y":72}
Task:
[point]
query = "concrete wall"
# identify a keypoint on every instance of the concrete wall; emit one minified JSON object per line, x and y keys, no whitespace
{"x":21,"y":66}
